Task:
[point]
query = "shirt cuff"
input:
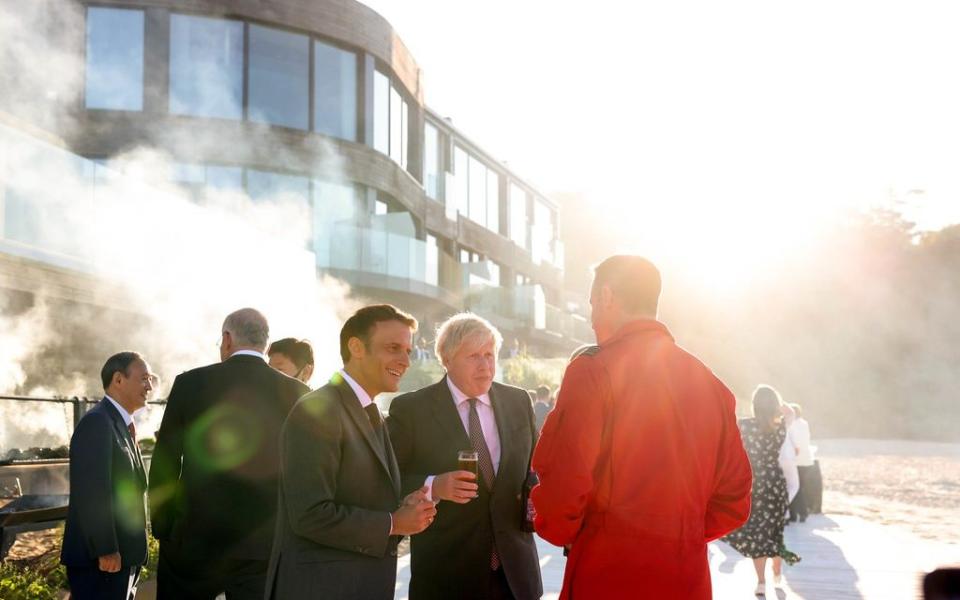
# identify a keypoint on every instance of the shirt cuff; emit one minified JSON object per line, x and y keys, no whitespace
{"x":429,"y":483}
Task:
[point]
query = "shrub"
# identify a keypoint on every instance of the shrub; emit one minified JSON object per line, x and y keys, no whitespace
{"x":527,"y":373}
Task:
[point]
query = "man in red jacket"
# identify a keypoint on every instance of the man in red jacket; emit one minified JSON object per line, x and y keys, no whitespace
{"x":641,"y":462}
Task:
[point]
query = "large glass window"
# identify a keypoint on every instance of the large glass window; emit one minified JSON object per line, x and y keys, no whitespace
{"x":518,"y":215}
{"x":478,"y":191}
{"x":335,"y":91}
{"x":431,"y":161}
{"x":269,"y":186}
{"x":391,"y":120}
{"x":279,"y":78}
{"x":461,"y":166}
{"x":433,"y":261}
{"x":542,"y":233}
{"x":206,"y":67}
{"x":114,"y":59}
{"x":493,"y":200}
{"x":381,"y":113}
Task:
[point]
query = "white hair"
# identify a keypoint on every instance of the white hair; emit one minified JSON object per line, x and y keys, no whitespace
{"x":452,"y":333}
{"x":248,"y":327}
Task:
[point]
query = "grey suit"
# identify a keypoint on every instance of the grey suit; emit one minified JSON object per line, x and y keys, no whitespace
{"x":338,"y":484}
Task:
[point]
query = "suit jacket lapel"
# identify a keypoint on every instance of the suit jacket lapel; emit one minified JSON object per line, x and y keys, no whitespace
{"x":123,"y":434}
{"x":446,"y":415}
{"x":503,"y":430}
{"x":352,"y":405}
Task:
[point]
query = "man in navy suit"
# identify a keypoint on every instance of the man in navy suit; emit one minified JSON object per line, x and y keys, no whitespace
{"x":105,"y":540}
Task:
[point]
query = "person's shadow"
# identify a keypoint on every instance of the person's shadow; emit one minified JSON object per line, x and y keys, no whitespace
{"x":823,"y":572}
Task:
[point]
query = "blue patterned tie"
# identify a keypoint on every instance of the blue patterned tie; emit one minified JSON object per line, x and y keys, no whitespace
{"x":479,"y":444}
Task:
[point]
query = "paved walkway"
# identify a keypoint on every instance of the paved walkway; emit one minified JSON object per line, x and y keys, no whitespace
{"x":843,"y":558}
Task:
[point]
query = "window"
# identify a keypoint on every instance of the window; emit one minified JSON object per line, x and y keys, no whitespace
{"x":478,"y":191}
{"x":461,"y":165}
{"x":543,"y":227}
{"x":380,"y":208}
{"x":431,"y":161}
{"x":381,"y":113}
{"x":493,"y":201}
{"x":334,"y":91}
{"x":518,"y":216}
{"x":391,"y":120}
{"x":269,"y":186}
{"x":433,"y":261}
{"x":114,"y":59}
{"x":279,"y":77}
{"x":206,"y":67}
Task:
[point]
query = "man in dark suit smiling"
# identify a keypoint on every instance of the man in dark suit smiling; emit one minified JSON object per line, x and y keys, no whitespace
{"x":105,"y":540}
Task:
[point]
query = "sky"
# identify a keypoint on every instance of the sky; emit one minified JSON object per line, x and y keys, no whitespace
{"x":706,"y":121}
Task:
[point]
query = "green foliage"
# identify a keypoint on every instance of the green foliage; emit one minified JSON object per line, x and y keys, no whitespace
{"x":528,"y":373}
{"x":153,"y":556}
{"x":24,"y":583}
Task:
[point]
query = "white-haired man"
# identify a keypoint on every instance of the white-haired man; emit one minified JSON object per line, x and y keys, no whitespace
{"x":477,"y":548}
{"x":215,"y":468}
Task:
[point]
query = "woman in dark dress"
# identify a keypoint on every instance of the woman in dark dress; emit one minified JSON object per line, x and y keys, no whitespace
{"x":761,"y":537}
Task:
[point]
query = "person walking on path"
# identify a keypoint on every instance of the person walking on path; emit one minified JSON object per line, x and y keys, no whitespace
{"x":761,"y":538}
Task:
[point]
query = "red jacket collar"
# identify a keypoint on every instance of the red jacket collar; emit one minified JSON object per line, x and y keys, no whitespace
{"x":638,"y":327}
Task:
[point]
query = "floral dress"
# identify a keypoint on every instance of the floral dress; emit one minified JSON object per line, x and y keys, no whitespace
{"x":762,"y":534}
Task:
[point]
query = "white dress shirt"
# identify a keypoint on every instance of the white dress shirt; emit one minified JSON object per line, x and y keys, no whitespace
{"x":127,"y":417}
{"x":249,"y":353}
{"x":799,"y":434}
{"x":488,"y":423}
{"x":362,"y":395}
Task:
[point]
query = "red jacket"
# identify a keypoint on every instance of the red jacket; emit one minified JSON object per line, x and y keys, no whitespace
{"x":640,"y":465}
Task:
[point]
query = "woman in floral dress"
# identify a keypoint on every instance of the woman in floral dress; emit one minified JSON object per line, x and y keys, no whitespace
{"x":761,"y":537}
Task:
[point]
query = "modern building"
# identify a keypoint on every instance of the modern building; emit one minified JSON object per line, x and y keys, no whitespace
{"x":316,"y":103}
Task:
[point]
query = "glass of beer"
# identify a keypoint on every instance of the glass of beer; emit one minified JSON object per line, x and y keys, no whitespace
{"x":468,"y":460}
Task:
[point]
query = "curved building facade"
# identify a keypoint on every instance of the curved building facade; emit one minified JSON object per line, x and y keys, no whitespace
{"x":319,"y":104}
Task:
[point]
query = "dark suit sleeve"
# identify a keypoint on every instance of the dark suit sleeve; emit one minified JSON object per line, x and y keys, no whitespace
{"x":311,"y":446}
{"x":166,"y":461}
{"x":400,"y":422}
{"x":91,"y":454}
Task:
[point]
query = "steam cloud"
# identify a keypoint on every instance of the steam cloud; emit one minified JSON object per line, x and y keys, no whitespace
{"x":152,"y":271}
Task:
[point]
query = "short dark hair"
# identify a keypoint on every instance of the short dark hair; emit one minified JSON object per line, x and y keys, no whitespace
{"x":298,"y":351}
{"x":633,"y":279}
{"x":119,"y":362}
{"x":361,"y":322}
{"x":543,"y":392}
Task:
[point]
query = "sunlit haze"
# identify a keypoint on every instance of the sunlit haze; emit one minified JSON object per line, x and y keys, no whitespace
{"x":727,"y":132}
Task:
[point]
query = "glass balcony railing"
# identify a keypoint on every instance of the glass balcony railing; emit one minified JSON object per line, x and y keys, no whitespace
{"x":69,"y":211}
{"x":352,"y":248}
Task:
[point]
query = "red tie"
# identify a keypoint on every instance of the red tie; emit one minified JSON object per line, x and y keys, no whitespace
{"x":133,"y":431}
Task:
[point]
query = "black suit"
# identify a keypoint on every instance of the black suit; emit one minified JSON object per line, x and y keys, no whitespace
{"x":213,"y":478}
{"x":107,"y":511}
{"x":339,"y":482}
{"x":451,"y":558}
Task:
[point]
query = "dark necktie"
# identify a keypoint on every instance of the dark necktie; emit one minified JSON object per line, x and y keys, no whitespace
{"x":479,"y":444}
{"x":376,"y":420}
{"x":133,"y":431}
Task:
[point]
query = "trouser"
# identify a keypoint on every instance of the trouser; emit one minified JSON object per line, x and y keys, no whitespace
{"x":179,"y":579}
{"x":800,"y":506}
{"x":499,"y":588}
{"x":90,"y":583}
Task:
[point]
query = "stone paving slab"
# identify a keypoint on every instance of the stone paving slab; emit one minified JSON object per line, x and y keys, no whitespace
{"x":844,"y":557}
